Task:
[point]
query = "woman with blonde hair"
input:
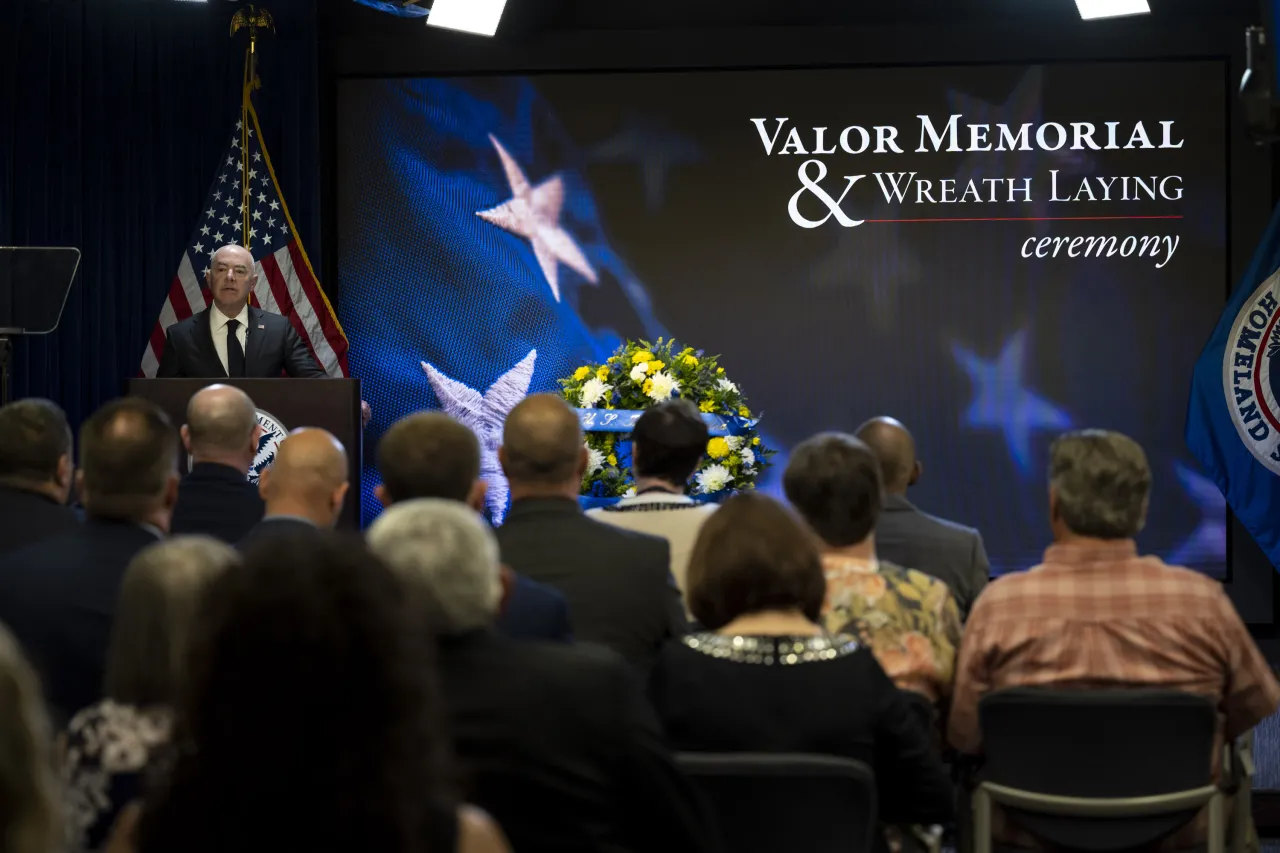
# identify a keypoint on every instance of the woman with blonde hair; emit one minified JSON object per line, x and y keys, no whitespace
{"x":111,"y":746}
{"x":28,"y":790}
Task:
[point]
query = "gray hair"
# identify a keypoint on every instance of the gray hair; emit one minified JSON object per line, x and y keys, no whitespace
{"x":443,"y":548}
{"x":157,"y":608}
{"x":29,"y":804}
{"x":1102,"y":482}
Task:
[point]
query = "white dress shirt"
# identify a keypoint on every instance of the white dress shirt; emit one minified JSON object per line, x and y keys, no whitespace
{"x":218,"y":325}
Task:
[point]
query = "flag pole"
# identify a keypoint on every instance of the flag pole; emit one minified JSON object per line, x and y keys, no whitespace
{"x":253,"y":19}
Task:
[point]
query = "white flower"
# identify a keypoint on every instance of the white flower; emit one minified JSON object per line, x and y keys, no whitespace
{"x":726,"y":385}
{"x":662,"y":387}
{"x":630,"y":493}
{"x":595,"y":461}
{"x":734,"y":441}
{"x":748,"y":457}
{"x":593,"y":390}
{"x":638,"y":372}
{"x":713,"y":479}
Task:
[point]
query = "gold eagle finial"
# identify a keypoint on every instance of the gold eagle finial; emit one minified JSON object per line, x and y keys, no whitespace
{"x":253,"y":18}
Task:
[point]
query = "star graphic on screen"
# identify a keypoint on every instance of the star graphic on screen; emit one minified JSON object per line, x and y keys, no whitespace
{"x":1025,"y":105}
{"x":484,"y":415}
{"x":1207,"y":544}
{"x":872,"y":257}
{"x":534,"y":213}
{"x":1002,"y":402}
{"x":656,"y":149}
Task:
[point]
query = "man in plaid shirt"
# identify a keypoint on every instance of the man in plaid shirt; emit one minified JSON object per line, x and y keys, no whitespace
{"x":1096,"y":614}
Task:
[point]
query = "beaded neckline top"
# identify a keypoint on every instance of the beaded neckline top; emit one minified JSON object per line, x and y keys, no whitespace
{"x":771,"y":651}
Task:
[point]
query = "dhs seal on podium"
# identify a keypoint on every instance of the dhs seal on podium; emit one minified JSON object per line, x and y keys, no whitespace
{"x":1249,"y":377}
{"x":273,"y":432}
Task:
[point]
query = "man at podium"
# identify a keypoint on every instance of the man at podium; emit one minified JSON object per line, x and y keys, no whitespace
{"x":231,"y":338}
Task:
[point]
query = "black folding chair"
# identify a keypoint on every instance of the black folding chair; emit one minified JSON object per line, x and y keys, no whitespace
{"x":1099,"y":770}
{"x":787,"y":803}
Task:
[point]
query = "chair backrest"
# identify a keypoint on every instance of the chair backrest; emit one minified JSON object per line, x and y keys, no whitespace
{"x":1101,"y":744}
{"x":771,"y":802}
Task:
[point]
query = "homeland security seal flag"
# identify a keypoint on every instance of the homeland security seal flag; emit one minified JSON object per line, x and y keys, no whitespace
{"x":1233,"y":419}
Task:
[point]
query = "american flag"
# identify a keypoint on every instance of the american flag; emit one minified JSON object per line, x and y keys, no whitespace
{"x":286,"y":283}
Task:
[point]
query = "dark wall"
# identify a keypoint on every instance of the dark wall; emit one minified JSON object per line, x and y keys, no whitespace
{"x":113,"y":117}
{"x":358,"y":42}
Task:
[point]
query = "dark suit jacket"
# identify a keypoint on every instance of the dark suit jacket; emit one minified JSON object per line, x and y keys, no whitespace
{"x":59,"y":596}
{"x":271,"y":526}
{"x":535,"y":611}
{"x":216,"y":500}
{"x":27,"y":517}
{"x":559,"y":745}
{"x":948,"y":551}
{"x":618,"y":583}
{"x":272,"y":347}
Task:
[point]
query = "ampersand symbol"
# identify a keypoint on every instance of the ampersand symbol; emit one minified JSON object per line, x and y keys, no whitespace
{"x":833,"y":205}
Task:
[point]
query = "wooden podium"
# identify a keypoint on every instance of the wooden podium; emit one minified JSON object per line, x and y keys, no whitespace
{"x":331,"y":404}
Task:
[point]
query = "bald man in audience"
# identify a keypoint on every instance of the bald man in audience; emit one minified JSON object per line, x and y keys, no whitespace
{"x":909,"y":537}
{"x":618,"y":583}
{"x":216,"y":497}
{"x":431,"y":455}
{"x":305,"y":487}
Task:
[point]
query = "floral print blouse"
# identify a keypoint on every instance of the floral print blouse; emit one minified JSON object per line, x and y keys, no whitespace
{"x":109,"y":749}
{"x":909,"y":620}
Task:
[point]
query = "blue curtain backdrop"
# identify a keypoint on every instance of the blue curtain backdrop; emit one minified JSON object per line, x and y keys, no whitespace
{"x":113,"y":116}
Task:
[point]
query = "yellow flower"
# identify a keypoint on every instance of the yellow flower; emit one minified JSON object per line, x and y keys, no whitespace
{"x":656,"y":365}
{"x":648,"y":386}
{"x":690,"y":361}
{"x":603,"y":373}
{"x":717,"y":448}
{"x":613,"y":460}
{"x":581,"y":373}
{"x":707,"y":405}
{"x":719,"y":370}
{"x":743,"y":411}
{"x":641,"y":357}
{"x":756,"y":440}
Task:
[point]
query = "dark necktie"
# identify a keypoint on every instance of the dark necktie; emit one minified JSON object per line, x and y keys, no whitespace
{"x":235,"y":353}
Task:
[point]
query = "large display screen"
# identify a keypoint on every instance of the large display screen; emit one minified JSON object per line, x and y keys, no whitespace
{"x":992,"y":255}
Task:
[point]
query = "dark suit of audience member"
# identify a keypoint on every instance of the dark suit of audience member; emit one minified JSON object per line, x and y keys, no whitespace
{"x":555,"y":741}
{"x":304,"y":488}
{"x":35,"y":473}
{"x":58,"y":596}
{"x":913,"y":539}
{"x":618,"y":583}
{"x":431,"y":455}
{"x":221,"y":435}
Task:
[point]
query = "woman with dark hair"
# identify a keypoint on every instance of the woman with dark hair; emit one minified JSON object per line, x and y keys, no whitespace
{"x":310,"y":718}
{"x":109,"y":746}
{"x":765,"y":677}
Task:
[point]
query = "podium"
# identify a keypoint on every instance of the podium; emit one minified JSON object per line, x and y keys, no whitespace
{"x":283,"y":405}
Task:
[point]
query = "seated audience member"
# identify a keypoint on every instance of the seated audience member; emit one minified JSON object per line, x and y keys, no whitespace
{"x":908,"y":619}
{"x":35,"y":473}
{"x":309,"y":717}
{"x":304,"y":488}
{"x":1094,"y":613}
{"x":618,"y":583}
{"x":767,"y":678}
{"x":557,"y":741}
{"x":216,"y":497}
{"x":906,"y":536}
{"x":110,"y":745}
{"x":58,"y":596}
{"x":667,"y":444}
{"x":30,"y":821}
{"x":430,"y":455}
